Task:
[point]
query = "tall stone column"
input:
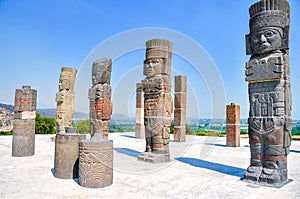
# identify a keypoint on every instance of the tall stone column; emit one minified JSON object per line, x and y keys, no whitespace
{"x":139,"y":114}
{"x":268,"y":77}
{"x":180,"y":109}
{"x":233,"y":125}
{"x":96,"y":155}
{"x":158,"y":103}
{"x":23,"y":142}
{"x":65,"y":99}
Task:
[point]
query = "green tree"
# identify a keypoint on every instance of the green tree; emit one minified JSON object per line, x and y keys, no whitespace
{"x":44,"y":125}
{"x":188,"y":129}
{"x":83,"y":126}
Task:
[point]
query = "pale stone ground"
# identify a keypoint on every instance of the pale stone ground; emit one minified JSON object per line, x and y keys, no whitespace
{"x":203,"y":168}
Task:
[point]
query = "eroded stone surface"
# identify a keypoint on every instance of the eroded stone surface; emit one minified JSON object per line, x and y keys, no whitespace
{"x":65,"y":99}
{"x":23,"y":142}
{"x":100,"y":99}
{"x":96,"y":163}
{"x":66,"y":160}
{"x":180,"y":109}
{"x":233,"y":125}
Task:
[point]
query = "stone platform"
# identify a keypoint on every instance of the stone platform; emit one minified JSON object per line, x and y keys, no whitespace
{"x":201,"y":167}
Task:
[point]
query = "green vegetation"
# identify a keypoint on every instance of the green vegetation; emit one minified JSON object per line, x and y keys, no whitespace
{"x":188,"y":129}
{"x":44,"y":125}
{"x":6,"y":133}
{"x":83,"y":126}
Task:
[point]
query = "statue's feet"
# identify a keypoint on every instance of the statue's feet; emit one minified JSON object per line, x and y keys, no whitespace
{"x":273,"y":176}
{"x":253,"y":173}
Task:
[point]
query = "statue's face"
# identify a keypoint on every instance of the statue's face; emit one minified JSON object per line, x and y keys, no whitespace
{"x":64,"y":85}
{"x":96,"y":77}
{"x":153,"y":67}
{"x":266,"y":39}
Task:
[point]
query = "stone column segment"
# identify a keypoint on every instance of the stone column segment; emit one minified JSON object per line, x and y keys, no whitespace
{"x":233,"y":125}
{"x":66,"y":160}
{"x":96,"y":163}
{"x":139,"y":116}
{"x":180,"y":109}
{"x":23,"y":142}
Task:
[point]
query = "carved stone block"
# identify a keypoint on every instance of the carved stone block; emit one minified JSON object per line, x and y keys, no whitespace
{"x":66,"y":160}
{"x":179,"y":133}
{"x":95,"y":163}
{"x":23,"y":142}
{"x":233,"y":135}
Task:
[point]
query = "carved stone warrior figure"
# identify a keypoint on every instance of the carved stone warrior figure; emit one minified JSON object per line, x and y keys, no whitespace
{"x":100,"y":99}
{"x":268,"y":75}
{"x":65,"y":99}
{"x":158,"y":103}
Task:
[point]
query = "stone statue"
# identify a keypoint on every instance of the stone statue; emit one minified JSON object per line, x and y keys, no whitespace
{"x":65,"y":99}
{"x":23,"y":143}
{"x":158,"y":103}
{"x":100,"y":99}
{"x":96,"y":155}
{"x":268,"y":75}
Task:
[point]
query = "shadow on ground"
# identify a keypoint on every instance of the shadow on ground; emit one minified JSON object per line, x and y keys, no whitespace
{"x":294,"y":151}
{"x":212,"y":144}
{"x":221,"y":168}
{"x":128,"y":136}
{"x":129,"y":152}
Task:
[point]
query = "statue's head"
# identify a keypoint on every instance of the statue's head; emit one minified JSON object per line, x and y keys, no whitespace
{"x":67,"y":79}
{"x":158,"y":57}
{"x":269,"y":27}
{"x":101,"y":71}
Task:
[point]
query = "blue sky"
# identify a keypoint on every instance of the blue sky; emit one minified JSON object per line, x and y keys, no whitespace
{"x":39,"y":37}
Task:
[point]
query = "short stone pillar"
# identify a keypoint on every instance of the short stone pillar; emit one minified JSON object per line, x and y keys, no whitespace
{"x":23,"y":142}
{"x":66,"y":155}
{"x":95,"y":163}
{"x":233,"y":125}
{"x":139,"y":114}
{"x":180,"y":109}
{"x":65,"y":99}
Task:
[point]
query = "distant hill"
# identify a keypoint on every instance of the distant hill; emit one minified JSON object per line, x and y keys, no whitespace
{"x":51,"y":112}
{"x":7,"y":106}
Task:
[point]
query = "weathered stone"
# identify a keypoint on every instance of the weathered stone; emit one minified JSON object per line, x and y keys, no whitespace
{"x":96,"y":155}
{"x":139,"y":114}
{"x":95,"y":163}
{"x":23,"y":138}
{"x":233,"y":125}
{"x":180,"y":109}
{"x":100,"y":99}
{"x":268,"y":75}
{"x":65,"y":99}
{"x":158,"y":103}
{"x":23,"y":142}
{"x":66,"y":155}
